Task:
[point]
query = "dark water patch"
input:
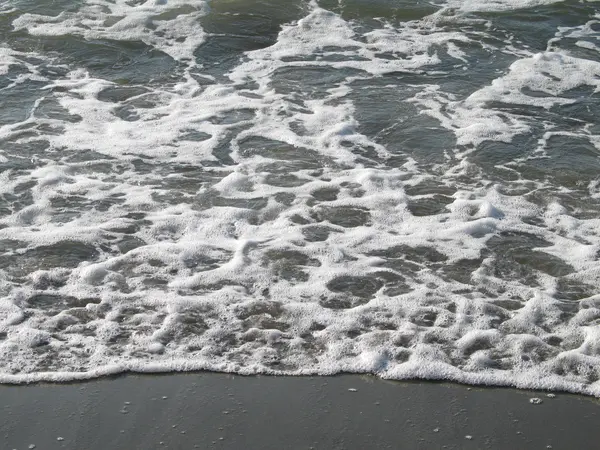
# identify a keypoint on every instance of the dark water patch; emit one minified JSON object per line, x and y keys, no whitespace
{"x":194,"y":135}
{"x":461,"y":270}
{"x":13,"y":203}
{"x":386,"y":125}
{"x":127,"y":113}
{"x":424,"y":317}
{"x":184,"y":178}
{"x":429,"y":187}
{"x":326,"y":194}
{"x":206,"y":261}
{"x":233,"y":116}
{"x":86,"y":156}
{"x":245,"y":203}
{"x":316,"y":233}
{"x":357,"y":286}
{"x":18,"y":102}
{"x":10,"y":245}
{"x":429,"y":206}
{"x":341,"y":302}
{"x":536,"y":25}
{"x":572,"y":161}
{"x":574,"y":290}
{"x":259,"y":307}
{"x":53,"y":303}
{"x":510,"y":304}
{"x":50,"y":108}
{"x":120,"y":94}
{"x":285,"y":180}
{"x":571,"y":45}
{"x":287,"y":264}
{"x":418,"y":254}
{"x":313,"y":82}
{"x":285,"y":198}
{"x":188,"y":324}
{"x":371,"y":13}
{"x":394,"y":283}
{"x":515,"y":257}
{"x":583,"y":112}
{"x":68,"y":254}
{"x":263,"y":322}
{"x":303,"y":158}
{"x":344,"y":216}
{"x":422,"y":139}
{"x":490,"y":154}
{"x":123,"y":62}
{"x":53,"y":9}
{"x":128,"y":243}
{"x":238,"y":27}
{"x":221,"y":53}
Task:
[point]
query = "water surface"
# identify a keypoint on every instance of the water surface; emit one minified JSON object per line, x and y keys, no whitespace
{"x":403,"y":188}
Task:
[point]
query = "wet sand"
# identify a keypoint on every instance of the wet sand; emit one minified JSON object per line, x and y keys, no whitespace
{"x":207,"y":410}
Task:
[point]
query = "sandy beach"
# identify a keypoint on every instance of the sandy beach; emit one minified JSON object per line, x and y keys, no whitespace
{"x":208,"y":410}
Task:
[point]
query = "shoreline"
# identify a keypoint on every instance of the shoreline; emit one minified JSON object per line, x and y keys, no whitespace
{"x":110,"y":375}
{"x":215,"y":410}
{"x":517,"y":381}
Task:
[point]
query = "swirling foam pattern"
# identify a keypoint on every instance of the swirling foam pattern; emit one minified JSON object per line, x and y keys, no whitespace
{"x":281,"y":187}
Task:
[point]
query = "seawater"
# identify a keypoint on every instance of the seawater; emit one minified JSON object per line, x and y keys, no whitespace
{"x":404,"y":188}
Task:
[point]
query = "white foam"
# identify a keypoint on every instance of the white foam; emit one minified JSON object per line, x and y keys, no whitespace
{"x":326,"y":33}
{"x":537,"y":81}
{"x":178,"y":36}
{"x":498,"y":5}
{"x":223,"y":276}
{"x":549,"y":74}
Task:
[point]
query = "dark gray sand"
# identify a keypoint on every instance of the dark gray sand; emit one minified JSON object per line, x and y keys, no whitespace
{"x":207,"y":410}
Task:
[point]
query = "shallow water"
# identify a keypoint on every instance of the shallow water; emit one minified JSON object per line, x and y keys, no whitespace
{"x":395,"y":187}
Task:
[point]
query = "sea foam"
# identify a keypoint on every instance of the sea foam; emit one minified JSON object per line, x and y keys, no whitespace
{"x":339,"y":198}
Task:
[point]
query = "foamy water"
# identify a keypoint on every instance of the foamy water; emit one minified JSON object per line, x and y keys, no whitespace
{"x":400,"y":188}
